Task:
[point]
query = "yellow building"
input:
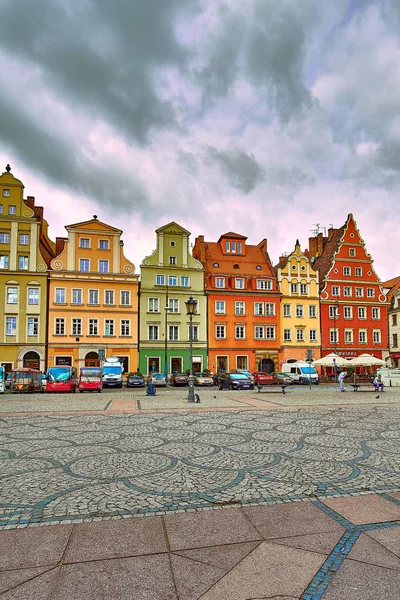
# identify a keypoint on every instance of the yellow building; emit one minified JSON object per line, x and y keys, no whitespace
{"x":93,"y":298}
{"x":25,"y":251}
{"x":300,"y":315}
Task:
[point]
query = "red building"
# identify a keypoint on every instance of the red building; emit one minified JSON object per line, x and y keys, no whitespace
{"x":353,"y":304}
{"x":242,"y":304}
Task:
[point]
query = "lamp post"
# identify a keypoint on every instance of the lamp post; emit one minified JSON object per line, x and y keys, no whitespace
{"x":191,"y":306}
{"x":335,"y":316}
{"x":166,"y":308}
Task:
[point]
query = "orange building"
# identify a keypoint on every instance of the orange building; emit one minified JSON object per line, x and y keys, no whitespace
{"x":93,"y":298}
{"x":242,"y":304}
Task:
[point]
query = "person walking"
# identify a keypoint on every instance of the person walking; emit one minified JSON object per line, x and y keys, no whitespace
{"x":341,"y":377}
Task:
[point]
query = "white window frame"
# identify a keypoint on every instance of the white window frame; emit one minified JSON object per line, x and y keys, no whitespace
{"x":83,"y":244}
{"x":109,"y":295}
{"x":220,"y":332}
{"x":358,"y":271}
{"x":303,"y":289}
{"x":76,"y":326}
{"x":12,"y":295}
{"x":347,"y":271}
{"x":363,"y":336}
{"x":109,"y":324}
{"x":347,"y":291}
{"x":293,"y":288}
{"x":336,"y":290}
{"x":59,"y":295}
{"x":348,"y":336}
{"x":376,"y":313}
{"x":313,"y":335}
{"x":173,"y":333}
{"x":23,"y":263}
{"x":312,"y":311}
{"x":287,"y":310}
{"x":160,"y":279}
{"x":349,"y":310}
{"x":76,"y":296}
{"x":153,"y":304}
{"x":370,"y":293}
{"x":84,"y":262}
{"x":125,"y":328}
{"x":220,"y":307}
{"x":376,"y":336}
{"x":240,"y":332}
{"x":153,"y":333}
{"x":264,"y":284}
{"x":172,"y":280}
{"x":4,"y":238}
{"x":24,"y":239}
{"x":300,"y":335}
{"x":33,"y":294}
{"x":93,"y":292}
{"x":259,"y":332}
{"x":59,"y":326}
{"x":125,"y":295}
{"x":362,"y":313}
{"x":270,"y":309}
{"x":240,"y":308}
{"x":11,"y":326}
{"x":220,"y":282}
{"x":239,"y":283}
{"x":270,"y":332}
{"x":12,"y":209}
{"x":104,"y":244}
{"x":185,"y":281}
{"x":104,"y":266}
{"x":258,"y":308}
{"x":173,"y":306}
{"x":93,"y":327}
{"x":359,"y":291}
{"x":172,"y":260}
{"x":287,"y":335}
{"x":334,"y":336}
{"x":299,"y":311}
{"x":33,"y":326}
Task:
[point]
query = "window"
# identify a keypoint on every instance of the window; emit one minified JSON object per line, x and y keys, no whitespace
{"x":76,"y":326}
{"x":395,"y":340}
{"x":6,"y":193}
{"x":220,"y":332}
{"x":4,"y":238}
{"x":185,"y":282}
{"x":312,"y":311}
{"x":24,"y":239}
{"x":233,"y":247}
{"x":299,"y":335}
{"x":239,"y":247}
{"x":333,"y":312}
{"x":264,"y":284}
{"x":394,"y":319}
{"x":346,"y":271}
{"x":259,"y":333}
{"x":1,"y":209}
{"x":258,"y":308}
{"x":347,"y":290}
{"x":376,"y":313}
{"x":125,"y":327}
{"x":12,"y":295}
{"x":172,"y":280}
{"x":359,"y":292}
{"x":376,"y":336}
{"x":153,"y":332}
{"x":160,"y":279}
{"x":348,"y":312}
{"x":109,"y":327}
{"x":299,"y":310}
{"x":173,"y":333}
{"x":154,"y":305}
{"x":287,"y":310}
{"x":172,"y":260}
{"x":220,"y":307}
{"x":173,"y":305}
{"x":333,"y":336}
{"x":33,"y":326}
{"x":4,"y":261}
{"x":287,"y":335}
{"x":76,"y":296}
{"x":109,"y":297}
{"x":125,"y":298}
{"x":195,"y":333}
{"x":358,"y":271}
{"x":84,"y":265}
{"x":270,"y":333}
{"x":11,"y":326}
{"x":313,"y":335}
{"x":270,"y":309}
{"x":362,"y":336}
{"x":23,"y":263}
{"x":240,"y":308}
{"x":33,"y":295}
{"x":293,"y":288}
{"x":60,"y":296}
{"x":370,"y":293}
{"x":335,"y":290}
{"x":239,"y":283}
{"x":12,"y":210}
{"x":84,"y":243}
{"x":220,"y":282}
{"x":362,"y":313}
{"x":93,"y":327}
{"x":103,"y":266}
{"x":103,"y":245}
{"x":348,"y":336}
{"x":93,"y":296}
{"x":240,"y":332}
{"x":303,"y":288}
{"x":59,"y":328}
{"x":352,"y":251}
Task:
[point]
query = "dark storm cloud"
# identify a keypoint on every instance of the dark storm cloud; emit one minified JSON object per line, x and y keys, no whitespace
{"x":241,"y":169}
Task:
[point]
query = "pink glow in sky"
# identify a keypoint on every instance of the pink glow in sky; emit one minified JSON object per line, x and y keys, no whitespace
{"x":255,"y":116}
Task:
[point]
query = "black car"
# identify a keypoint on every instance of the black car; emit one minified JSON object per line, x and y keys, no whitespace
{"x":234,"y":381}
{"x":180,"y":379}
{"x":135,"y":380}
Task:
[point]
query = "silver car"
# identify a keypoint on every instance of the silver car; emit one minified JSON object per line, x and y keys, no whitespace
{"x":158,"y":379}
{"x":203,"y":379}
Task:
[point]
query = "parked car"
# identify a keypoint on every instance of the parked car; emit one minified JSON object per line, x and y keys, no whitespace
{"x":179,"y":379}
{"x":234,"y":381}
{"x":135,"y":380}
{"x":285,"y":378}
{"x":261,"y":378}
{"x":203,"y":379}
{"x":244,"y":372}
{"x":158,"y":379}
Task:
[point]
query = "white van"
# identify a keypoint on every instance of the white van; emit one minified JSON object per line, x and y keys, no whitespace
{"x":390,"y":377}
{"x":301,"y":372}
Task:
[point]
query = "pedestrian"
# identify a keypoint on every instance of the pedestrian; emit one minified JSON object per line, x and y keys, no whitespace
{"x":341,"y":377}
{"x":378,"y":383}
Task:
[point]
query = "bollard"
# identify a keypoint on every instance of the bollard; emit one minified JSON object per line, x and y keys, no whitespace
{"x":151,"y":388}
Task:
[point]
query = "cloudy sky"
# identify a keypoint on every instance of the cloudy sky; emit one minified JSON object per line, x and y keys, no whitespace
{"x":264,"y":117}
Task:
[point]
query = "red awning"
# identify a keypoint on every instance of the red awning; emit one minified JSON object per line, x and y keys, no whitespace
{"x":396,"y":356}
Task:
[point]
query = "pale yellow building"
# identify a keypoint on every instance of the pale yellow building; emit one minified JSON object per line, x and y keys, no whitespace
{"x":93,"y":298}
{"x":300,"y":314}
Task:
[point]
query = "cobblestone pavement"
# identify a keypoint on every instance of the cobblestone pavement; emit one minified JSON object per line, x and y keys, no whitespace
{"x":60,"y":468}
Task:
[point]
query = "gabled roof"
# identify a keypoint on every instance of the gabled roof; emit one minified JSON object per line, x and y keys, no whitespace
{"x":323,"y":263}
{"x":391,"y":282}
{"x":232,"y":234}
{"x":173,"y":224}
{"x":87,"y":224}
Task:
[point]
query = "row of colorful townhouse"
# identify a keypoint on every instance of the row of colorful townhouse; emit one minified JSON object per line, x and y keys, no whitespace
{"x":65,"y":301}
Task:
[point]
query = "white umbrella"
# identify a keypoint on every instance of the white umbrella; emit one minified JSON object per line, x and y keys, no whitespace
{"x":330,"y":360}
{"x":366,"y":360}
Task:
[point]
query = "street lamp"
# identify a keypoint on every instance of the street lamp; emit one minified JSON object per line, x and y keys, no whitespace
{"x":335,"y":316}
{"x":191,"y":306}
{"x":166,"y":308}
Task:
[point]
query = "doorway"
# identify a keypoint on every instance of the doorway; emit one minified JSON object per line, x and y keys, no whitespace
{"x":222,"y":364}
{"x":266,"y":365}
{"x":176,"y":365}
{"x":92,"y":359}
{"x":31,"y":361}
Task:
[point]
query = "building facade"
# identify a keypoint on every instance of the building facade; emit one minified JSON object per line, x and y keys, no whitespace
{"x":23,"y":277}
{"x":353,"y":303}
{"x":299,"y":318}
{"x":93,"y":298}
{"x":169,"y":277}
{"x":243,"y":304}
{"x":392,"y":287}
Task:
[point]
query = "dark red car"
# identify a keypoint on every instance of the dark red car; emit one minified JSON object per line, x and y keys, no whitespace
{"x":180,"y":379}
{"x":261,"y":378}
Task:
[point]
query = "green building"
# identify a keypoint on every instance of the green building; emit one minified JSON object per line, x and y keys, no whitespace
{"x":168,"y":278}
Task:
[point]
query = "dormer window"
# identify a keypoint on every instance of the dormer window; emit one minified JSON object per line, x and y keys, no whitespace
{"x":234,"y":247}
{"x":228,"y":246}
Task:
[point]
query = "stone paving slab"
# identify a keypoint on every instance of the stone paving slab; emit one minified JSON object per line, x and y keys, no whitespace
{"x":364,"y":509}
{"x":54,"y":405}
